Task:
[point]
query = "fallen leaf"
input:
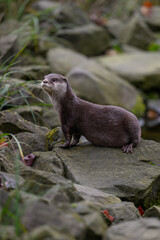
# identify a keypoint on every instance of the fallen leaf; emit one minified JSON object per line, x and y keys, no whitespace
{"x":141,"y":211}
{"x":147,"y":4}
{"x":29,"y":159}
{"x":3,"y":143}
{"x":106,"y":213}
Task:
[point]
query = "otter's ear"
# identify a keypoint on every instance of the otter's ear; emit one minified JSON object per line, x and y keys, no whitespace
{"x":65,"y":79}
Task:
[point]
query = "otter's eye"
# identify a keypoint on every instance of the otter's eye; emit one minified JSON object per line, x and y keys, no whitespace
{"x":54,"y":80}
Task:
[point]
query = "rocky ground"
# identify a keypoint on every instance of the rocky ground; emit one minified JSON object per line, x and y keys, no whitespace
{"x":85,"y":192}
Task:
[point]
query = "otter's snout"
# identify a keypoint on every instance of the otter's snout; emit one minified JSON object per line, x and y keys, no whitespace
{"x":45,"y":80}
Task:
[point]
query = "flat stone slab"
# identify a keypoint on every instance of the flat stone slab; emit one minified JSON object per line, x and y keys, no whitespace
{"x":141,"y":69}
{"x":133,"y":177}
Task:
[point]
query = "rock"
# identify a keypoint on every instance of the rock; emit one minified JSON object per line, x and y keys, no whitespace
{"x":41,"y":5}
{"x":12,"y":122}
{"x":136,"y":33}
{"x":54,"y":217}
{"x":31,"y":72}
{"x":4,"y":196}
{"x":35,"y":188}
{"x":45,"y":161}
{"x":152,"y":212}
{"x":15,"y":28}
{"x":39,"y":182}
{"x":96,"y":196}
{"x":53,"y":137}
{"x":89,"y":39}
{"x":122,"y":212}
{"x":141,"y":69}
{"x":91,"y":81}
{"x":58,"y":59}
{"x":9,"y":159}
{"x":11,"y":181}
{"x":68,"y":15}
{"x":62,"y":194}
{"x":7,"y":47}
{"x":96,"y":84}
{"x":20,"y":92}
{"x":7,"y":27}
{"x":31,"y":113}
{"x":30,"y":142}
{"x":114,"y":26}
{"x":7,"y":233}
{"x":144,"y":229}
{"x":133,"y":177}
{"x":153,"y":20}
{"x":47,"y":232}
{"x":50,"y":117}
{"x":91,"y":215}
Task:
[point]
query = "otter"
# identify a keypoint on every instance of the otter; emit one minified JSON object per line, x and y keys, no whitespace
{"x":102,"y":125}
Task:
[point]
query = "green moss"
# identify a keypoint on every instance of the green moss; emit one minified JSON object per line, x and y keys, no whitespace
{"x":139,"y":107}
{"x":53,"y":137}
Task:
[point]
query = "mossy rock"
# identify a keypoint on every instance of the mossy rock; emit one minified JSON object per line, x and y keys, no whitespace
{"x":53,"y":137}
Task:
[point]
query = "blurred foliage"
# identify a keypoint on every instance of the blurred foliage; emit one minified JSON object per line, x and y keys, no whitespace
{"x":154,"y":47}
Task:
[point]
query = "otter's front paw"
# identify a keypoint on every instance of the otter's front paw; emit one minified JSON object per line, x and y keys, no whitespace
{"x":64,"y":146}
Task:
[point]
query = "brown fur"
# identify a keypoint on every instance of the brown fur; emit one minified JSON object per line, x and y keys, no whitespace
{"x":102,"y":125}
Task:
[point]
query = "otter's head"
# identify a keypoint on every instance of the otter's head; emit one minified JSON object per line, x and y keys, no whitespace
{"x":55,"y":84}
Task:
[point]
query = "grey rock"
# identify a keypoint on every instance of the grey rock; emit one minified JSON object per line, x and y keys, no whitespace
{"x":89,"y":39}
{"x":144,"y":229}
{"x":4,"y":196}
{"x":141,"y":69}
{"x":62,"y":60}
{"x":21,"y":92}
{"x":7,"y":47}
{"x":31,"y":72}
{"x":136,"y":33}
{"x":53,"y":137}
{"x":31,"y":113}
{"x":41,"y":5}
{"x":39,"y":182}
{"x":48,"y":162}
{"x":33,"y":218}
{"x":96,"y":196}
{"x":8,"y":27}
{"x":47,"y":232}
{"x":152,"y":212}
{"x":92,"y":217}
{"x":11,"y":181}
{"x":7,"y":233}
{"x":12,"y":122}
{"x":96,"y":84}
{"x":134,"y":177}
{"x":114,"y":27}
{"x":122,"y":212}
{"x":50,"y":117}
{"x":68,"y":15}
{"x":153,"y":20}
{"x":91,"y":81}
{"x":9,"y":159}
{"x":62,"y":193}
{"x":30,"y":142}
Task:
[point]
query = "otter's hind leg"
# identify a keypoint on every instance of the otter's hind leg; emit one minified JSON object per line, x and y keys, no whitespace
{"x":128,"y":148}
{"x":76,"y":138}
